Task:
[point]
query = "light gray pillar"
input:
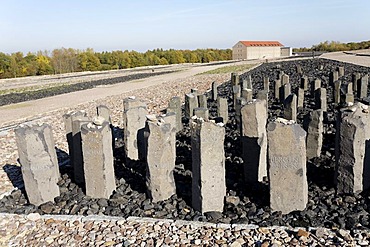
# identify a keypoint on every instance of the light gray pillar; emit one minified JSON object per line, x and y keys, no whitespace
{"x":247,"y":94}
{"x":340,"y":70}
{"x":290,"y":107}
{"x":201,"y":113}
{"x":284,"y":92}
{"x":104,"y":111}
{"x":202,"y":101}
{"x":234,"y":79}
{"x":284,"y":79}
{"x":313,"y":124}
{"x":315,"y":84}
{"x":287,"y":162}
{"x":321,"y":99}
{"x":208,"y":166}
{"x":304,"y":83}
{"x":98,"y":159}
{"x":236,"y":93}
{"x":355,"y":78}
{"x":214,"y":90}
{"x":337,"y":88}
{"x":247,"y":83}
{"x":300,"y":97}
{"x":254,"y":140}
{"x":240,"y":102}
{"x":266,"y":84}
{"x":77,"y":157}
{"x":277,"y":86}
{"x":174,"y":106}
{"x":191,"y":102}
{"x":134,"y":117}
{"x":333,"y":77}
{"x":222,"y":109}
{"x":39,"y":163}
{"x":362,"y":87}
{"x":161,"y":157}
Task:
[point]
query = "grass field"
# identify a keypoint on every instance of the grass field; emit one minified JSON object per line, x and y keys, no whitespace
{"x":229,"y":69}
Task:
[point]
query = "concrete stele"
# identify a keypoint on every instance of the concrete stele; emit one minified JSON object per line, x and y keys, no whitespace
{"x":313,"y":124}
{"x":266,"y":83}
{"x":234,"y":79}
{"x":362,"y":87}
{"x":222,"y":109}
{"x":161,"y":157}
{"x":104,"y":111}
{"x":337,"y":90}
{"x":236,"y":93}
{"x":353,"y":149}
{"x":247,"y":83}
{"x":315,"y":84}
{"x":355,"y":78}
{"x":284,"y":92}
{"x":200,"y":112}
{"x":254,"y":140}
{"x":98,"y":160}
{"x":290,"y":107}
{"x":174,"y":106}
{"x":208,"y":166}
{"x":191,"y":102}
{"x":214,"y":90}
{"x":39,"y":163}
{"x":340,"y":70}
{"x":321,"y":99}
{"x":287,"y":167}
{"x":284,"y":79}
{"x":300,"y":97}
{"x":134,"y":117}
{"x":240,"y":102}
{"x":202,"y":100}
{"x":247,"y":94}
{"x":277,"y":85}
{"x":304,"y":83}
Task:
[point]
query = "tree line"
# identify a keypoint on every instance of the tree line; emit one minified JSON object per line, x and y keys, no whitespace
{"x":331,"y":46}
{"x":65,"y":60}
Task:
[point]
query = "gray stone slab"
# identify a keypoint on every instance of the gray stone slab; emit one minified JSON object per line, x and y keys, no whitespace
{"x":284,"y":92}
{"x":161,"y":157}
{"x":39,"y":163}
{"x":77,"y":157}
{"x":254,"y":140}
{"x":234,"y":79}
{"x":290,"y":107}
{"x":208,"y":166}
{"x":200,"y":112}
{"x":98,"y":160}
{"x":333,"y":77}
{"x":287,"y":167}
{"x":355,"y":78}
{"x":223,"y":109}
{"x":284,"y":79}
{"x":247,"y":94}
{"x":321,"y":99}
{"x":340,"y":70}
{"x":266,"y":84}
{"x":202,"y":101}
{"x":353,"y":149}
{"x":134,"y":117}
{"x":174,"y":105}
{"x":362,"y":85}
{"x":277,"y":85}
{"x":313,"y":124}
{"x":191,"y":102}
{"x":240,"y":102}
{"x":214,"y":90}
{"x":236,"y":93}
{"x":104,"y":112}
{"x":304,"y":83}
{"x":315,"y":84}
{"x":337,"y":91}
{"x":247,"y":83}
{"x":300,"y":97}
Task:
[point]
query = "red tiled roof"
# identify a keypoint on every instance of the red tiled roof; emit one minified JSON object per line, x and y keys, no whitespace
{"x":261,"y":43}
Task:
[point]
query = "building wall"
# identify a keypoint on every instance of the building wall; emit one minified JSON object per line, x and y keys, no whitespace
{"x":263,"y":52}
{"x":239,"y":51}
{"x":286,"y":51}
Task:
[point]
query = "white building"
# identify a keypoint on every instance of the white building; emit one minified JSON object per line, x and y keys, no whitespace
{"x":256,"y":50}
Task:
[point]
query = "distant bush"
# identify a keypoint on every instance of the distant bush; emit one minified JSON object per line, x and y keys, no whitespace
{"x":335,"y":46}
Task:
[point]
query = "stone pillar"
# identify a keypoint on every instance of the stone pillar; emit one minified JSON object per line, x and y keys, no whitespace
{"x":104,"y":112}
{"x":287,"y":162}
{"x":247,"y":94}
{"x":313,"y":124}
{"x":240,"y":102}
{"x":362,"y":87}
{"x":290,"y":107}
{"x":98,"y":159}
{"x":194,"y":91}
{"x":321,"y":99}
{"x":77,"y":154}
{"x":161,"y":157}
{"x":174,"y":105}
{"x":170,"y":118}
{"x":234,"y":79}
{"x":266,"y":84}
{"x":134,"y":117}
{"x":284,"y":79}
{"x":277,"y":86}
{"x":333,"y":77}
{"x":316,"y":84}
{"x":284,"y":92}
{"x":337,"y":87}
{"x":222,"y":109}
{"x":201,"y":113}
{"x":247,"y":83}
{"x":208,"y":166}
{"x":236,"y":93}
{"x":39,"y":163}
{"x":353,"y":149}
{"x":300,"y":97}
{"x":299,"y":69}
{"x":355,"y":78}
{"x":214,"y":90}
{"x":202,"y":100}
{"x":191,"y":102}
{"x":340,"y":70}
{"x":254,"y":140}
{"x":304,"y":83}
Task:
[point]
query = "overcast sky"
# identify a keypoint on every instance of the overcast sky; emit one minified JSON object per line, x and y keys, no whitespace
{"x":140,"y":25}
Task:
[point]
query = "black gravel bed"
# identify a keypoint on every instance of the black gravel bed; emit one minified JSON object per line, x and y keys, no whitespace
{"x":12,"y":98}
{"x":244,"y":203}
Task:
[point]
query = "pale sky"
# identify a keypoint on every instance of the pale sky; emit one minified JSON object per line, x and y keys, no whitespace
{"x":142,"y":25}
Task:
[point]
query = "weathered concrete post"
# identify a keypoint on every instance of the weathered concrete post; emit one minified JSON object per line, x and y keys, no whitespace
{"x":355,"y":78}
{"x":202,"y":100}
{"x":353,"y":149}
{"x":174,"y":105}
{"x":208,"y":166}
{"x":337,"y":88}
{"x":191,"y":102}
{"x":39,"y":163}
{"x":340,"y":70}
{"x":201,"y":113}
{"x":284,"y":79}
{"x":304,"y":83}
{"x":254,"y":140}
{"x":313,"y":124}
{"x":134,"y":117}
{"x":194,"y":91}
{"x":214,"y":90}
{"x":222,"y":109}
{"x":277,"y":86}
{"x":234,"y":79}
{"x":284,"y":92}
{"x":236,"y":93}
{"x":290,"y":107}
{"x":98,"y":159}
{"x":104,"y":111}
{"x":300,"y":97}
{"x":247,"y":94}
{"x":333,"y":77}
{"x":266,"y":84}
{"x":247,"y":83}
{"x":161,"y":157}
{"x":362,"y":85}
{"x":320,"y":99}
{"x":240,"y":102}
{"x":287,"y":161}
{"x":349,"y":96}
{"x":315,"y":84}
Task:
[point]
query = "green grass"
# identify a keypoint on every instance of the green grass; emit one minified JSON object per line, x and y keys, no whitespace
{"x":229,"y":69}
